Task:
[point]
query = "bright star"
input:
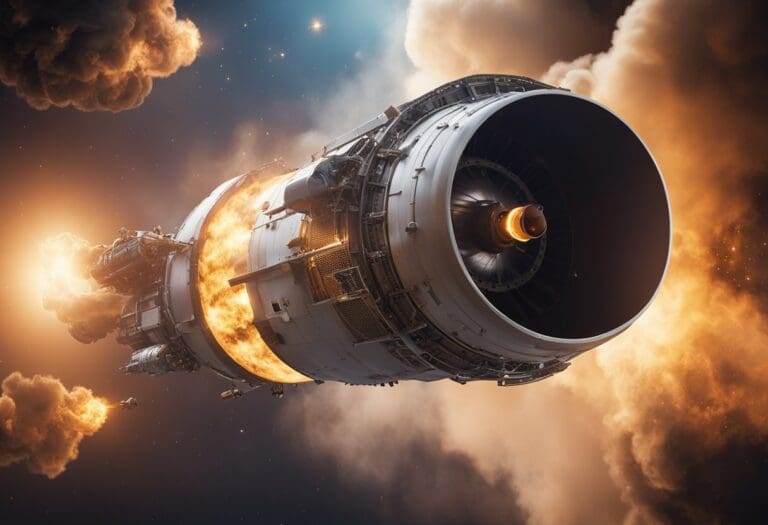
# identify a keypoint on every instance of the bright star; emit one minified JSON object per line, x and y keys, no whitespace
{"x":316,"y":25}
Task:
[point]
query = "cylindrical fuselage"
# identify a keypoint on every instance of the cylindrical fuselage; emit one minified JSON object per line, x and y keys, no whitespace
{"x":373,"y":264}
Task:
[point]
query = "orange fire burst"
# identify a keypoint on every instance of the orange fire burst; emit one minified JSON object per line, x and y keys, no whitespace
{"x":90,"y":310}
{"x":227,"y":310}
{"x":65,"y":259}
{"x":92,"y":414}
{"x":42,"y":422}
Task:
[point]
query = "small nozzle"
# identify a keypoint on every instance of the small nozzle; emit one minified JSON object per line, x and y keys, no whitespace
{"x":524,"y":223}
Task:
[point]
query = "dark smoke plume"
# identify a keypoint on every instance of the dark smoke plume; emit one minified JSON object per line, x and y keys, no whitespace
{"x":421,"y":479}
{"x":91,"y":54}
{"x":90,"y":310}
{"x":42,"y":423}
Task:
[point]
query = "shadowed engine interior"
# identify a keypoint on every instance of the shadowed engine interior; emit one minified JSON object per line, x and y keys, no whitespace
{"x":604,"y":203}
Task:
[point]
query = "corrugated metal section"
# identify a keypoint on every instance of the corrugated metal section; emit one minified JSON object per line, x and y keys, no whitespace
{"x":334,"y":276}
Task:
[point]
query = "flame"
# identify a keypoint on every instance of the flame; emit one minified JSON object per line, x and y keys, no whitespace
{"x":92,"y":414}
{"x":514,"y":223}
{"x":64,"y":266}
{"x":42,"y":422}
{"x":227,"y":310}
{"x":90,"y":310}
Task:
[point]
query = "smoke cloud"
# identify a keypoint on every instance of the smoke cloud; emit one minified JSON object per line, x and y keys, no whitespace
{"x":89,"y":310}
{"x":689,"y":427}
{"x":93,"y":55}
{"x":42,"y":423}
{"x":378,"y":441}
{"x":668,"y":423}
{"x":452,"y":38}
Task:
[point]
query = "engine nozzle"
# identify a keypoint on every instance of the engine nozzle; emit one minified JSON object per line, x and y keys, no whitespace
{"x":523,"y":223}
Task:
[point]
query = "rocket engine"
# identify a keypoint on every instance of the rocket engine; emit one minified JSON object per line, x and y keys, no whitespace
{"x":492,"y":229}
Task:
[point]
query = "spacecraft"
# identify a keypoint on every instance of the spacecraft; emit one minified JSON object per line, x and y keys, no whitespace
{"x":232,"y":393}
{"x":129,"y":404}
{"x":492,"y":229}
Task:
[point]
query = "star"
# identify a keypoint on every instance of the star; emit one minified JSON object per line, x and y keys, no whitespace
{"x":316,"y":25}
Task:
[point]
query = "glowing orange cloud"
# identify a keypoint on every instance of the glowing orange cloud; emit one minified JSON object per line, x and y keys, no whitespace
{"x":42,"y":423}
{"x":97,"y":56}
{"x":89,"y":310}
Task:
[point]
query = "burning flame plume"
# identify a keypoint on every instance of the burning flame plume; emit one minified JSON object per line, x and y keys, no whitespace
{"x":227,"y":310}
{"x":42,"y":423}
{"x":89,"y":310}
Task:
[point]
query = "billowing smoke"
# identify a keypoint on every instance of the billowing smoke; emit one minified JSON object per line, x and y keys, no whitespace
{"x":94,"y":54}
{"x":90,"y":310}
{"x":42,"y":423}
{"x":689,"y":428}
{"x":669,"y":422}
{"x":452,"y":38}
{"x":401,"y":451}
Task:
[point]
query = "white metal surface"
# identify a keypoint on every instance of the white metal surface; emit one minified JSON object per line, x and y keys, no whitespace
{"x":315,"y":340}
{"x":426,"y":254}
{"x":179,"y":283}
